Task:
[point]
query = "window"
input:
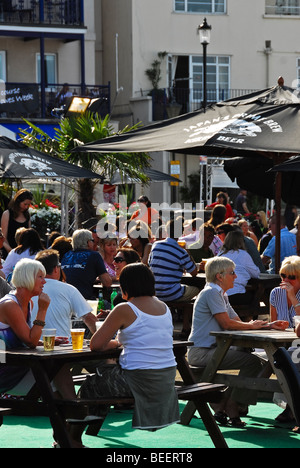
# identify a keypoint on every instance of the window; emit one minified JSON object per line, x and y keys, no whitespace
{"x":283,"y":7}
{"x":50,"y":69}
{"x":218,"y":78}
{"x":298,"y":73}
{"x":200,"y":6}
{"x":2,"y":66}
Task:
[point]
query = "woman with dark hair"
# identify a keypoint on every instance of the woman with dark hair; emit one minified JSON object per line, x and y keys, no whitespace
{"x":147,"y":365}
{"x":217,"y":216}
{"x":15,"y":217}
{"x":146,"y":213}
{"x":140,"y":237}
{"x":29,"y":245}
{"x":125,"y":256}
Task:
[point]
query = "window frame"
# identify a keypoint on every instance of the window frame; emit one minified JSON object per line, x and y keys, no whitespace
{"x":37,"y":62}
{"x":220,"y":94}
{"x":3,"y":58}
{"x":212,"y":11}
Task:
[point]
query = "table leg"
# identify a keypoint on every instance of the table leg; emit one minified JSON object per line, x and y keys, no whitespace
{"x":207,"y":376}
{"x":57,"y":421}
{"x":270,"y":349}
{"x":202,"y":407}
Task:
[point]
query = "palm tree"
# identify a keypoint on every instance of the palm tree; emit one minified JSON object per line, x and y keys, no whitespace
{"x":76,"y":131}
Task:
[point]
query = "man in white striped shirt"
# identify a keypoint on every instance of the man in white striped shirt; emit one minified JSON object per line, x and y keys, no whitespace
{"x":168,"y":261}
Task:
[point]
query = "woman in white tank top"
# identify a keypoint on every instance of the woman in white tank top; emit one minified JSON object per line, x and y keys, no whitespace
{"x":147,"y":363}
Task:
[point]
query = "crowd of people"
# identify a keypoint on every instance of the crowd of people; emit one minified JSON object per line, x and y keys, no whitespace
{"x":48,"y":287}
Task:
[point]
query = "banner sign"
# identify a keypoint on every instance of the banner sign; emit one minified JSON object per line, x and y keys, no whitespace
{"x":19,"y":99}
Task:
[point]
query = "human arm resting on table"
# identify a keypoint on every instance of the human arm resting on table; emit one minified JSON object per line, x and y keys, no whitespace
{"x":106,"y":280}
{"x":236,"y":324}
{"x":227,"y":323}
{"x":120,"y":317}
{"x":90,"y":321}
{"x":12,"y":315}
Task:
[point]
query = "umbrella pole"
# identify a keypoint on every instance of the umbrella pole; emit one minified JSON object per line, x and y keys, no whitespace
{"x":278,"y":194}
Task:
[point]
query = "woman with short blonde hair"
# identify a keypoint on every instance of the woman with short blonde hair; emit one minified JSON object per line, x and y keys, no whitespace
{"x":217,"y":265}
{"x":213,"y":312}
{"x":285,"y":300}
{"x":25,"y":273}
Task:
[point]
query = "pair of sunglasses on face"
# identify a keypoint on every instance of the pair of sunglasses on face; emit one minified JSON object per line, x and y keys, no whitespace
{"x":289,"y":277}
{"x":119,"y":259}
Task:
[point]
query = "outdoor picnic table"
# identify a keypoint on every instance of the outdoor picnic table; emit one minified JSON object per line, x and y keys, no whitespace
{"x":269,"y":341}
{"x":45,"y":365}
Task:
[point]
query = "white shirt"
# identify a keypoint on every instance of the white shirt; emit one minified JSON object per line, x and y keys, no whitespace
{"x":66,"y":301}
{"x":12,"y":259}
{"x":245,"y":269}
{"x":148,"y":341}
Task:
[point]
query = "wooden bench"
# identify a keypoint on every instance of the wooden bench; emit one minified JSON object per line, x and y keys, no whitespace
{"x":200,"y":392}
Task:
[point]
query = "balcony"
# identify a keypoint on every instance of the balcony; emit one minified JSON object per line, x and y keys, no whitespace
{"x":26,"y":99}
{"x":42,"y":12}
{"x":170,"y":102}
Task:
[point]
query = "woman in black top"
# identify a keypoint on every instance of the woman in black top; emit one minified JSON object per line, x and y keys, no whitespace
{"x":15,"y":217}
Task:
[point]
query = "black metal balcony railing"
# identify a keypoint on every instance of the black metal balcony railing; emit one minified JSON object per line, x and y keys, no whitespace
{"x":54,"y":12}
{"x":170,"y":102}
{"x":24,"y":99}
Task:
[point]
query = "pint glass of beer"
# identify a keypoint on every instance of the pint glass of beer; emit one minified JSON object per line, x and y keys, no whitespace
{"x":77,"y":338}
{"x":49,"y":339}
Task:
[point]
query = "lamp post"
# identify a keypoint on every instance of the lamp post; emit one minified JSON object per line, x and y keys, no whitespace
{"x":204,"y":35}
{"x":204,"y":31}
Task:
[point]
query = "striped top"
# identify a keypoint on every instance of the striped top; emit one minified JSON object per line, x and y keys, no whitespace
{"x":278,"y":299}
{"x":168,"y":261}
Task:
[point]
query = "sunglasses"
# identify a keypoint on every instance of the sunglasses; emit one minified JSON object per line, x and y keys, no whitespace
{"x":289,"y":277}
{"x":119,"y":259}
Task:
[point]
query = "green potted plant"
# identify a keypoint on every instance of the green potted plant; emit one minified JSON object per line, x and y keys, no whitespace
{"x":158,"y":95}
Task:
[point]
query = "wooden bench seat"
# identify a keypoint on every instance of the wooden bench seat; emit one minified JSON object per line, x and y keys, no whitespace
{"x":200,"y":392}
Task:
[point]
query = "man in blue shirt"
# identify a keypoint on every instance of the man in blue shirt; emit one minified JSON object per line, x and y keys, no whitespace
{"x":288,"y":243}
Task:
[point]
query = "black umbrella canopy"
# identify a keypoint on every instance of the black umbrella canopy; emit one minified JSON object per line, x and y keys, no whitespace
{"x":252,"y":174}
{"x":18,"y":161}
{"x":291,"y":165}
{"x":154,"y":176}
{"x":266,"y":122}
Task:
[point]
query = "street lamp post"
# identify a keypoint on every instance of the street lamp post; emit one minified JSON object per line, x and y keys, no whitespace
{"x":204,"y":35}
{"x":204,"y":31}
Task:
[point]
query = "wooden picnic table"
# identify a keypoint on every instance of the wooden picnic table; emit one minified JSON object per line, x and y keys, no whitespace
{"x":269,"y":341}
{"x":45,"y":366}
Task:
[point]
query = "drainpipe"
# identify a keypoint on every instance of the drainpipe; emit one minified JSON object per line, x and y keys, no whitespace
{"x":43,"y":75}
{"x":268,"y":51}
